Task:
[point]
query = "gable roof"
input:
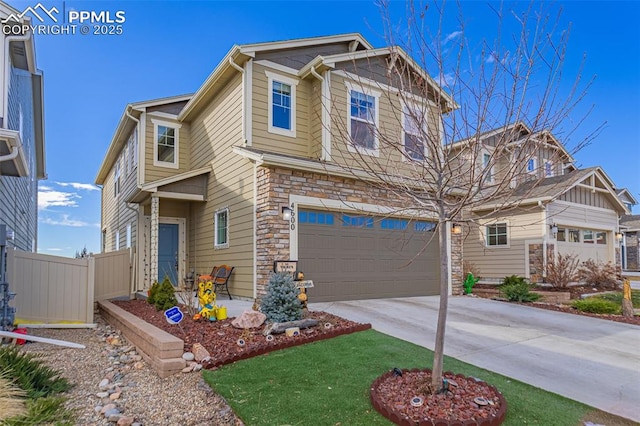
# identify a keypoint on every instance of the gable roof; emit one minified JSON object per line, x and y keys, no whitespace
{"x":551,"y":188}
{"x":324,"y":62}
{"x":625,"y":194}
{"x":128,"y":120}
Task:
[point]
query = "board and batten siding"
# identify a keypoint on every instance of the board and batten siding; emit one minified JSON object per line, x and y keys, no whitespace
{"x":214,"y":133}
{"x":152,"y":172}
{"x":116,"y":215}
{"x":582,"y":216}
{"x":498,"y":262}
{"x":262,"y":139}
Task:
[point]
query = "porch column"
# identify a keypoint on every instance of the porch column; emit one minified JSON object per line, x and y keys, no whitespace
{"x":155,"y":219}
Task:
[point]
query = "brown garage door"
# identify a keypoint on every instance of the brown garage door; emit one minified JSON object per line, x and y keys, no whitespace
{"x":352,"y":257}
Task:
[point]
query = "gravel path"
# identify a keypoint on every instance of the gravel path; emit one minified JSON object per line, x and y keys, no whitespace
{"x":139,"y":395}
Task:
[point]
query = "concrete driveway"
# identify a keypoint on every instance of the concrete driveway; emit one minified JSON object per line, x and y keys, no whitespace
{"x":590,"y":360}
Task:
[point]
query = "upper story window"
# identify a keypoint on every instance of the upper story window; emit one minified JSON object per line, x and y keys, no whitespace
{"x":116,"y":179}
{"x":487,"y":169}
{"x":166,"y":143}
{"x":363,"y":119}
{"x":532,"y":165}
{"x":548,"y":168}
{"x":414,"y":127}
{"x":497,"y":235}
{"x":282,"y":104}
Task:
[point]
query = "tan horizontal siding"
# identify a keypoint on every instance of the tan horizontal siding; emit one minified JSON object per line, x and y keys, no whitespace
{"x":214,"y":132}
{"x":582,"y":216}
{"x":153,"y":172}
{"x":262,"y":139}
{"x":498,"y":262}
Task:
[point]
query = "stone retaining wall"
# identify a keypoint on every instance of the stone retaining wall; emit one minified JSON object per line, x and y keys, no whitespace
{"x":160,"y":349}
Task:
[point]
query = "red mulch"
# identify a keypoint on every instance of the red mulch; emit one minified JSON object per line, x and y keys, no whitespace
{"x":468,"y":400}
{"x":220,"y":338}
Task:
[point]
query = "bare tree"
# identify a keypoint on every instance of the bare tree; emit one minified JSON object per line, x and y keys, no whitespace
{"x":443,"y":157}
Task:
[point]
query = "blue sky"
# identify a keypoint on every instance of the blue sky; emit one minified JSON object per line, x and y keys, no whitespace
{"x":170,"y":47}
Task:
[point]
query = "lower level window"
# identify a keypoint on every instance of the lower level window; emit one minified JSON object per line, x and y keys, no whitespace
{"x":497,"y":234}
{"x":221,"y":228}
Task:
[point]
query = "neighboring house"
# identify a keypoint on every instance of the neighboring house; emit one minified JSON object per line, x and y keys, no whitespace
{"x":22,"y":156}
{"x":553,"y":208}
{"x":630,"y":228}
{"x":196,"y":181}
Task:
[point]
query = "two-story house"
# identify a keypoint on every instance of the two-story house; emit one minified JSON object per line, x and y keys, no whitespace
{"x":550,"y":207}
{"x":249,"y":170}
{"x":22,"y":156}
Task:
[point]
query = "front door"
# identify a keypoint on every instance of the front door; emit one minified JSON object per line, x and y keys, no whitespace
{"x":168,"y":252}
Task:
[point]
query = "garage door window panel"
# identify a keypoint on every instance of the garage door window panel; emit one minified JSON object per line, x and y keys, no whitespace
{"x":601,"y":238}
{"x":316,"y":218}
{"x":357,"y":221}
{"x":588,"y":236}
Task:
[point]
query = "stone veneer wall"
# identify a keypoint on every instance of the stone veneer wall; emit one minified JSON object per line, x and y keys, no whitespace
{"x":632,"y":251}
{"x":274,"y":185}
{"x":536,"y":265}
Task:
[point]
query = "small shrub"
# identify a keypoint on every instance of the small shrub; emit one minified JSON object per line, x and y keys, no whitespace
{"x":598,"y":274}
{"x":281,"y":303}
{"x":164,"y":297}
{"x":30,"y":373}
{"x":516,"y":289}
{"x":469,"y":282}
{"x":597,"y":305}
{"x":152,"y":293}
{"x":44,"y":411}
{"x":11,"y":398}
{"x":562,"y":270}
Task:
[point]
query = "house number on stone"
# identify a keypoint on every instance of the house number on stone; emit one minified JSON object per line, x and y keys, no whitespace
{"x":293,"y":217}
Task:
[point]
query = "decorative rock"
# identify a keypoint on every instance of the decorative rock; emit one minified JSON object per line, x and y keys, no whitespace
{"x":97,"y":409}
{"x":188,"y":356}
{"x":114,"y":396}
{"x":103,"y":384}
{"x":187,"y":369}
{"x":137,"y":424}
{"x":115,"y":417}
{"x":107,"y":408}
{"x":102,"y":394}
{"x":249,"y":319}
{"x":197,"y":367}
{"x":199,"y":352}
{"x":138,"y":365}
{"x":125,"y":421}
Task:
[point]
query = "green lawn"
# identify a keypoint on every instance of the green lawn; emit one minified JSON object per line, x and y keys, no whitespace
{"x":327,"y":383}
{"x":617,"y":297}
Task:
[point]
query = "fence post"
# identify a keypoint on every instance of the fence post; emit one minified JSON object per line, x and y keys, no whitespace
{"x":91,"y":279}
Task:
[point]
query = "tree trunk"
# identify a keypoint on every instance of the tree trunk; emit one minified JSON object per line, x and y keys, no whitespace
{"x":280,"y":327}
{"x":627,"y":304}
{"x":438,"y":355}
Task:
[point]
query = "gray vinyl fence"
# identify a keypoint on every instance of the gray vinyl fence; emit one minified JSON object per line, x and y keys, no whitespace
{"x":52,"y":289}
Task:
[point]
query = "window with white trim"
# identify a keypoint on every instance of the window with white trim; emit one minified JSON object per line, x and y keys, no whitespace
{"x":282,"y":104}
{"x":221,"y":228}
{"x":414,"y":128}
{"x":548,"y":168}
{"x":363,"y":119}
{"x":486,"y":161}
{"x":532,"y":165}
{"x":166,"y":144}
{"x":588,"y":236}
{"x":116,"y":179}
{"x":497,"y":235}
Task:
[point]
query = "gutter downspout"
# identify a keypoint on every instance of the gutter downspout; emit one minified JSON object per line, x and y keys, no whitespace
{"x":544,"y":240}
{"x":326,"y":133}
{"x":244,"y":95}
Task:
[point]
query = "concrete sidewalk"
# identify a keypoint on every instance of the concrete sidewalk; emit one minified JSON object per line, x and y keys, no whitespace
{"x":594,"y":361}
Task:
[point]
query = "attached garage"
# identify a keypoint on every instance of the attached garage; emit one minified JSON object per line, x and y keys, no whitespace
{"x":352,"y":256}
{"x":585,"y":244}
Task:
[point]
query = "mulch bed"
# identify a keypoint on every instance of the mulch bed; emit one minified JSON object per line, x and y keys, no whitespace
{"x":220,"y":338}
{"x":576,"y":293}
{"x":468,"y":400}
